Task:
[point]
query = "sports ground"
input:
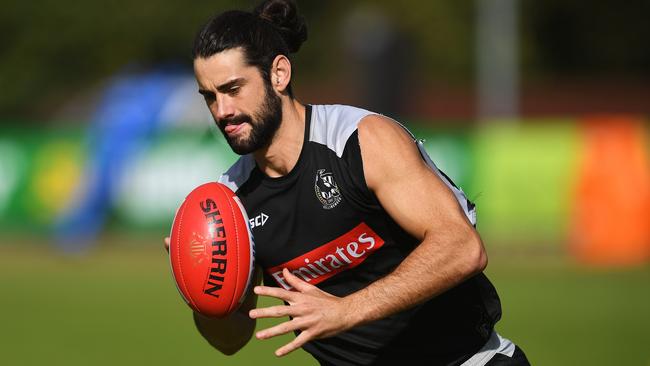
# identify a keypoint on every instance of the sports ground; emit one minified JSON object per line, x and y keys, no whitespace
{"x":118,"y":306}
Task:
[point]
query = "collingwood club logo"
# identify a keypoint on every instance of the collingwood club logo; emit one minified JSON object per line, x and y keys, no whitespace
{"x":326,"y":189}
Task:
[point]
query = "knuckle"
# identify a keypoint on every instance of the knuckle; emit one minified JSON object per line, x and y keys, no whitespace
{"x":286,"y":327}
{"x":298,"y":309}
{"x":307,"y":333}
{"x":301,"y":324}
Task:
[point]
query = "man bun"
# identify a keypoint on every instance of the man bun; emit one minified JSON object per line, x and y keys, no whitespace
{"x":283,"y":14}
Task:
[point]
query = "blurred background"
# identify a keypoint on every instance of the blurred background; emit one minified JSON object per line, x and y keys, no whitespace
{"x":538,"y":110}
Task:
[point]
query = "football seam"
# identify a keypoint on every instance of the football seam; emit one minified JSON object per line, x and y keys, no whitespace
{"x":180,"y":266}
{"x":232,"y":211}
{"x":251,"y":249}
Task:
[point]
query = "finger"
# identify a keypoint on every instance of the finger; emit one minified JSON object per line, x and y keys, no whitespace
{"x":297,"y":342}
{"x":271,"y":312}
{"x":296,"y":282}
{"x":167,"y":241}
{"x":280,"y":329}
{"x":274,"y":292}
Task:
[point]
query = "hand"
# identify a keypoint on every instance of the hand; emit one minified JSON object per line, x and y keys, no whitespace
{"x":166,"y":240}
{"x":315,"y":312}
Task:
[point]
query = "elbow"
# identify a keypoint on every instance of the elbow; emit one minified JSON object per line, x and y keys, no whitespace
{"x":482,"y":261}
{"x":476,"y":257}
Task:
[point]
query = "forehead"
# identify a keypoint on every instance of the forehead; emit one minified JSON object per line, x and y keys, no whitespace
{"x":222,"y":66}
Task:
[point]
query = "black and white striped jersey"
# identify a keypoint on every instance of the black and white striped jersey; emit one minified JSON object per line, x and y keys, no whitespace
{"x":322,"y":222}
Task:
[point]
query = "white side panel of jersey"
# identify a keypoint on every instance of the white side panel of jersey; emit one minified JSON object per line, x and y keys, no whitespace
{"x":460,"y":195}
{"x":238,"y":173}
{"x":332,"y":125}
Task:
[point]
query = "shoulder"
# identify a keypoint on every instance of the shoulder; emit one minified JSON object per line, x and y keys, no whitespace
{"x":381,"y":131}
{"x":389,"y":151}
{"x":387,"y":142}
{"x":392,"y":154}
{"x":238,"y":173}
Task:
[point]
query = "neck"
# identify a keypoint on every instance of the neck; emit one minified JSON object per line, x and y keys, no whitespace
{"x":281,"y":155}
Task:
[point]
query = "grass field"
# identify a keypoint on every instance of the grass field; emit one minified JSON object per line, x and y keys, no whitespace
{"x":119,"y":306}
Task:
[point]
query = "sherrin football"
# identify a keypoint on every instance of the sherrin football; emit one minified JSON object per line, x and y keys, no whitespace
{"x":211,"y":250}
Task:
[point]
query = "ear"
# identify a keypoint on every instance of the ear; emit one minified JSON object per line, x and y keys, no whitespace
{"x":280,"y":73}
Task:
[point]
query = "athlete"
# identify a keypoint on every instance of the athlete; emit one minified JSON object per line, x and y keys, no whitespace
{"x":371,"y":248}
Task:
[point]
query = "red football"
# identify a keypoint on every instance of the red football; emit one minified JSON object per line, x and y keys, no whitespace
{"x":211,"y":250}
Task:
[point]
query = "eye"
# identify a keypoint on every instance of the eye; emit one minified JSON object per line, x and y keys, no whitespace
{"x":234,"y":90}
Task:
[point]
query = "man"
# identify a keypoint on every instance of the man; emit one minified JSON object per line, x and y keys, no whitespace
{"x":371,"y":248}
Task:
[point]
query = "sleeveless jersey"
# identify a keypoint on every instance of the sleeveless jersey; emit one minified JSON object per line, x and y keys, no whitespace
{"x":323,"y":223}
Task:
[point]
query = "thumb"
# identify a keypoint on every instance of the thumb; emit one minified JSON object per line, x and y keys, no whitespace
{"x":166,"y":240}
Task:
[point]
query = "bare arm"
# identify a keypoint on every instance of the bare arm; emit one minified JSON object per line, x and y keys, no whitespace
{"x":450,"y":250}
{"x":229,"y":334}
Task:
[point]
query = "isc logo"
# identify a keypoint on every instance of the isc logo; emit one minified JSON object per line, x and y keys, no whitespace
{"x":258,"y":220}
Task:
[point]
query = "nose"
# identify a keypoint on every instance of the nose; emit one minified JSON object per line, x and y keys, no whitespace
{"x":224,"y":108}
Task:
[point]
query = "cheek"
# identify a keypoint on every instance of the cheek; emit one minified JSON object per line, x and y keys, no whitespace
{"x":254,"y":98}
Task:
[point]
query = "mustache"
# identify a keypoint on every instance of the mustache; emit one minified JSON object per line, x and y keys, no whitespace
{"x":235,"y":120}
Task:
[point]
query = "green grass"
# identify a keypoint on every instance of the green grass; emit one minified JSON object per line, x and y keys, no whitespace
{"x":562,"y":314}
{"x":119,"y":306}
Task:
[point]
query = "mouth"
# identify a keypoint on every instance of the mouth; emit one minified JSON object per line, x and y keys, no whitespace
{"x":233,"y":128}
{"x":233,"y":125}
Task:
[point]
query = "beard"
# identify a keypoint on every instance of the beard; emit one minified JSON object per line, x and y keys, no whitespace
{"x":264,"y":123}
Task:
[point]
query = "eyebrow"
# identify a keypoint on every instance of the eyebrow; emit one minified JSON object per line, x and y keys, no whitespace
{"x":224,"y":88}
{"x":206,"y":93}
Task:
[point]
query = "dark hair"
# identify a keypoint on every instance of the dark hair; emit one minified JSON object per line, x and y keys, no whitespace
{"x":273,"y":28}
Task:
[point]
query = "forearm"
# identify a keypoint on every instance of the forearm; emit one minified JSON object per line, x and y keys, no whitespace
{"x":433,"y":267}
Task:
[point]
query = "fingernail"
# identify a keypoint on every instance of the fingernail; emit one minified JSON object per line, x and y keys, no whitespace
{"x":251,"y":314}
